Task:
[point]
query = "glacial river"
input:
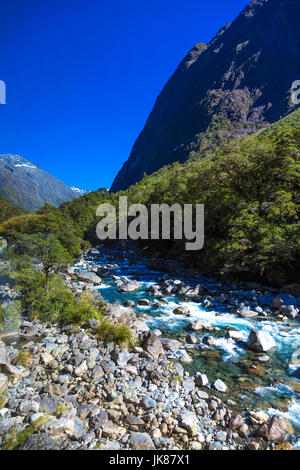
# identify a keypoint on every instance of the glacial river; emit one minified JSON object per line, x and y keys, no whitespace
{"x":273,"y":386}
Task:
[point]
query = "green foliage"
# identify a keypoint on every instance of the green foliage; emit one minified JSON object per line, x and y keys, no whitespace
{"x":48,"y":221}
{"x":56,"y":303}
{"x":60,"y":410}
{"x":16,"y":439}
{"x":9,"y":315}
{"x":51,"y":253}
{"x":176,"y":379}
{"x":23,"y":358}
{"x":3,"y":399}
{"x":250,"y":189}
{"x":84,"y":308}
{"x":109,"y":332}
{"x":8,"y":210}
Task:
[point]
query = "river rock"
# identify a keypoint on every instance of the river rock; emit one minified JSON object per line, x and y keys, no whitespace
{"x":121,"y":356}
{"x":260,"y":341}
{"x":5,"y":366}
{"x":220,"y":386}
{"x":59,"y":427}
{"x":188,"y":385}
{"x":81,"y":369}
{"x":144,"y":302}
{"x":182,"y":311}
{"x":289,"y":311}
{"x":141,"y":441}
{"x":284,"y":299}
{"x":200,"y":325}
{"x":113,"y":431}
{"x":46,"y":358}
{"x":235,"y":422}
{"x":171,"y":344}
{"x":247,"y":313}
{"x":258,"y":417}
{"x":278,"y":429}
{"x":243,"y":430}
{"x":188,"y":421}
{"x":39,"y":442}
{"x":153,"y":346}
{"x":89,"y":277}
{"x":201,"y":380}
{"x":235,"y":335}
{"x":275,"y":431}
{"x":129,"y":286}
{"x":183,"y":356}
{"x":192,"y":339}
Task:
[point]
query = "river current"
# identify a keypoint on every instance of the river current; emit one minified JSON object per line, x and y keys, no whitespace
{"x":273,"y":386}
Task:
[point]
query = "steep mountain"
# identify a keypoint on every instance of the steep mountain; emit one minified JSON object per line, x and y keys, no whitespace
{"x":27,"y":185}
{"x":236,"y":85}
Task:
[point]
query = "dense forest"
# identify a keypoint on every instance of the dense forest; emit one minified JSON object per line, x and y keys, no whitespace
{"x":250,"y":189}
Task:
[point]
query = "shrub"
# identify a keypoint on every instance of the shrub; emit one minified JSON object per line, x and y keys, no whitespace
{"x":56,"y":303}
{"x":108,"y":332}
{"x":83,"y":309}
{"x":60,"y":410}
{"x":9,"y":315}
{"x":24,"y":358}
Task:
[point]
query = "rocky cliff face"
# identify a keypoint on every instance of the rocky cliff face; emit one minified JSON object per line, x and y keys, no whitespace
{"x":237,"y":84}
{"x":26,"y":184}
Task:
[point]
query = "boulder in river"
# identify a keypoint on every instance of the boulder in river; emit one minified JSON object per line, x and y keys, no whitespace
{"x":220,"y":386}
{"x":289,"y":311}
{"x":260,"y":341}
{"x":234,"y":334}
{"x":144,"y":302}
{"x":129,"y":286}
{"x":89,"y":277}
{"x":200,"y":325}
{"x":247,"y":313}
{"x":181,"y":311}
{"x":201,"y":380}
{"x":276,"y":430}
{"x":284,"y":299}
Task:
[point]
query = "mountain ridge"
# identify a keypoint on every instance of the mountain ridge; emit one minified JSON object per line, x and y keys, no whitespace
{"x":230,"y":88}
{"x":26,"y":184}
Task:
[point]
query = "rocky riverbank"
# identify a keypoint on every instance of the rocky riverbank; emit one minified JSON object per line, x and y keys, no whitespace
{"x":74,"y":392}
{"x":62,"y":388}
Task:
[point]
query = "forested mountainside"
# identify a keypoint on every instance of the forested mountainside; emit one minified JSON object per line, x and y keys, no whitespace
{"x":230,"y":88}
{"x":250,"y":188}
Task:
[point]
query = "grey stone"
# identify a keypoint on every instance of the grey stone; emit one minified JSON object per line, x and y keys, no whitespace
{"x":220,"y":386}
{"x":141,"y":441}
{"x":129,"y":286}
{"x":39,"y":442}
{"x":188,"y":421}
{"x":260,"y":341}
{"x":89,"y":277}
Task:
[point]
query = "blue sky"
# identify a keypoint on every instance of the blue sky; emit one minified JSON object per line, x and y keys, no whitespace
{"x":83,"y":75}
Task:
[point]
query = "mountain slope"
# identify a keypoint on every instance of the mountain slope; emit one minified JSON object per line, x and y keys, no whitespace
{"x":237,"y":84}
{"x":27,"y":185}
{"x":291,"y":120}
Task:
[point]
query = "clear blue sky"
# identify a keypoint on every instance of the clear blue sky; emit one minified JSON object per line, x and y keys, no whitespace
{"x":83,"y":75}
